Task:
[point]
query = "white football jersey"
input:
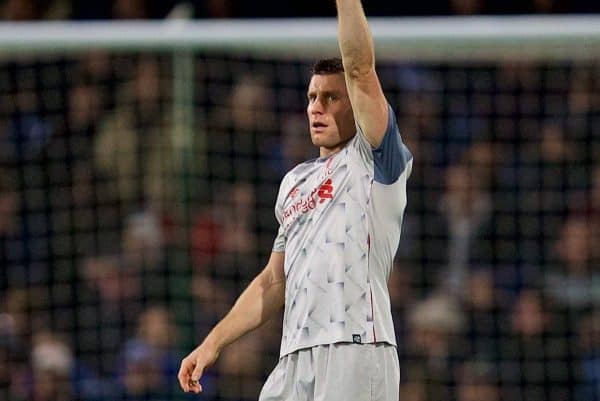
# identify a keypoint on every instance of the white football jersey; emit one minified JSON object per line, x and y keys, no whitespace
{"x":340,"y":220}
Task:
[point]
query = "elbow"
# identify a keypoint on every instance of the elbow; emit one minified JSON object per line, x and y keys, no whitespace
{"x":359,"y":73}
{"x":358,"y":68}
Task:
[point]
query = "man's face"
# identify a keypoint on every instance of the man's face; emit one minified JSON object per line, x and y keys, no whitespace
{"x":329,"y":112}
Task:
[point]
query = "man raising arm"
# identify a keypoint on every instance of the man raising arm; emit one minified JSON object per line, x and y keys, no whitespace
{"x":338,"y":339}
{"x":366,"y":96}
{"x":340,"y":219}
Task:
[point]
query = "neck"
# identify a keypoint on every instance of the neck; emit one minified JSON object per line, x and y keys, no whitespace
{"x":328,"y":151}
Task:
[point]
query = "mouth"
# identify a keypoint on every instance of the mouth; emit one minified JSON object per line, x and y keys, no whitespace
{"x":318,"y":127}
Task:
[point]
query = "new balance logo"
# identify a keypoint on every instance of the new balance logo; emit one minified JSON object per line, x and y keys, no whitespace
{"x":325,"y":191}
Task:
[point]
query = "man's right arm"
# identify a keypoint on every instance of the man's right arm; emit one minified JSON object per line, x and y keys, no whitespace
{"x":260,"y":300}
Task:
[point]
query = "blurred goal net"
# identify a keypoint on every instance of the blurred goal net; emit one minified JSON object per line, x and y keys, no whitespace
{"x":139,"y":165}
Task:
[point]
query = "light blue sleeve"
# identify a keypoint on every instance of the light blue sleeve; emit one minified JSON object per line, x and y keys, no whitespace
{"x":392,"y":156}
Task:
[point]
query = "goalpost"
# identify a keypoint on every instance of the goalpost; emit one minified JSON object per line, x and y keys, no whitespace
{"x":140,"y":163}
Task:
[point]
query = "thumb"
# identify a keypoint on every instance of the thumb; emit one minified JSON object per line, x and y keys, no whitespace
{"x":197,"y":373}
{"x":195,"y":379}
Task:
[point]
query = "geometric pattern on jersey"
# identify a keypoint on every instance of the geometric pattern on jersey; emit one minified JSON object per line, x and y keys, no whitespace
{"x":340,"y":219}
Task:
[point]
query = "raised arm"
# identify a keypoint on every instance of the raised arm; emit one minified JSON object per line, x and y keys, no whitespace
{"x":259,"y":301}
{"x":366,"y":96}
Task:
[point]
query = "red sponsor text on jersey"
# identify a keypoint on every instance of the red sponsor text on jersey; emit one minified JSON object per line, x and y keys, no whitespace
{"x":323,"y":192}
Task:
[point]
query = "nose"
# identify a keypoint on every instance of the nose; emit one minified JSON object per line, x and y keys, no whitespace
{"x":316,"y":107}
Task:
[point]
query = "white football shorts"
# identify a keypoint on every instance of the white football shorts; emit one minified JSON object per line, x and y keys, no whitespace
{"x":336,"y":372}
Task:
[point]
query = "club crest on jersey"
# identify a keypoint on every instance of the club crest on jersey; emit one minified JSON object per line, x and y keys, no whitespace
{"x":328,"y":169}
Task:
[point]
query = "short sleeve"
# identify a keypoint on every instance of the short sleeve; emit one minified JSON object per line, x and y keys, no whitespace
{"x":391,"y":158}
{"x":279,"y":244}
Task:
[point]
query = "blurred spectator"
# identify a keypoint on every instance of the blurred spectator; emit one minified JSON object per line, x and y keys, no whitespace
{"x":240,"y":369}
{"x":214,"y":8}
{"x":143,"y":242}
{"x":589,"y":342}
{"x":85,"y":106}
{"x":575,"y":283}
{"x":420,"y":119}
{"x":141,"y":377}
{"x":564,"y":6}
{"x":211,"y":302}
{"x":466,"y":208}
{"x":53,"y":364}
{"x":482,"y":306}
{"x":131,"y":150}
{"x":110,"y":303}
{"x":535,"y":364}
{"x":148,"y":363}
{"x":251,"y":105}
{"x":594,"y":206}
{"x":537,"y":191}
{"x":414,"y":389}
{"x":21,"y":10}
{"x":294,"y":147}
{"x":582,"y":96}
{"x":10,"y":242}
{"x":224,"y":239}
{"x":435,"y":347}
{"x":403,"y":294}
{"x":27,"y":311}
{"x":146,"y":255}
{"x":13,"y":367}
{"x":560,"y":163}
{"x":241,"y":129}
{"x":467,"y":7}
{"x":71,"y":174}
{"x":477,"y":381}
{"x":130,"y":9}
{"x":401,"y":286}
{"x":28,"y":132}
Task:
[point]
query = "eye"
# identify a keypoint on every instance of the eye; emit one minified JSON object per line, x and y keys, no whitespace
{"x":331,"y":98}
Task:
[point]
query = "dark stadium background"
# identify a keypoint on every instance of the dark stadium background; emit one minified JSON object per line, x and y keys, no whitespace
{"x":118,"y":252}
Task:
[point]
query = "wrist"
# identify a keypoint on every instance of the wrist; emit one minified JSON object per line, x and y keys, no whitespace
{"x":212,"y":343}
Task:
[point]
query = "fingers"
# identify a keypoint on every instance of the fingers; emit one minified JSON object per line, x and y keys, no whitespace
{"x":189,"y":376}
{"x":195,"y":386}
{"x":184,"y":375}
{"x":195,"y":379}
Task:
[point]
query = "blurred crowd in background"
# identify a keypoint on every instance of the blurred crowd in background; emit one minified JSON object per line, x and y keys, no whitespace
{"x":137,"y":9}
{"x":123,"y":241}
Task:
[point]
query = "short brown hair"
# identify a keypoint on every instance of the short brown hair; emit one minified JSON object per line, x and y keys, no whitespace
{"x":328,"y":66}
